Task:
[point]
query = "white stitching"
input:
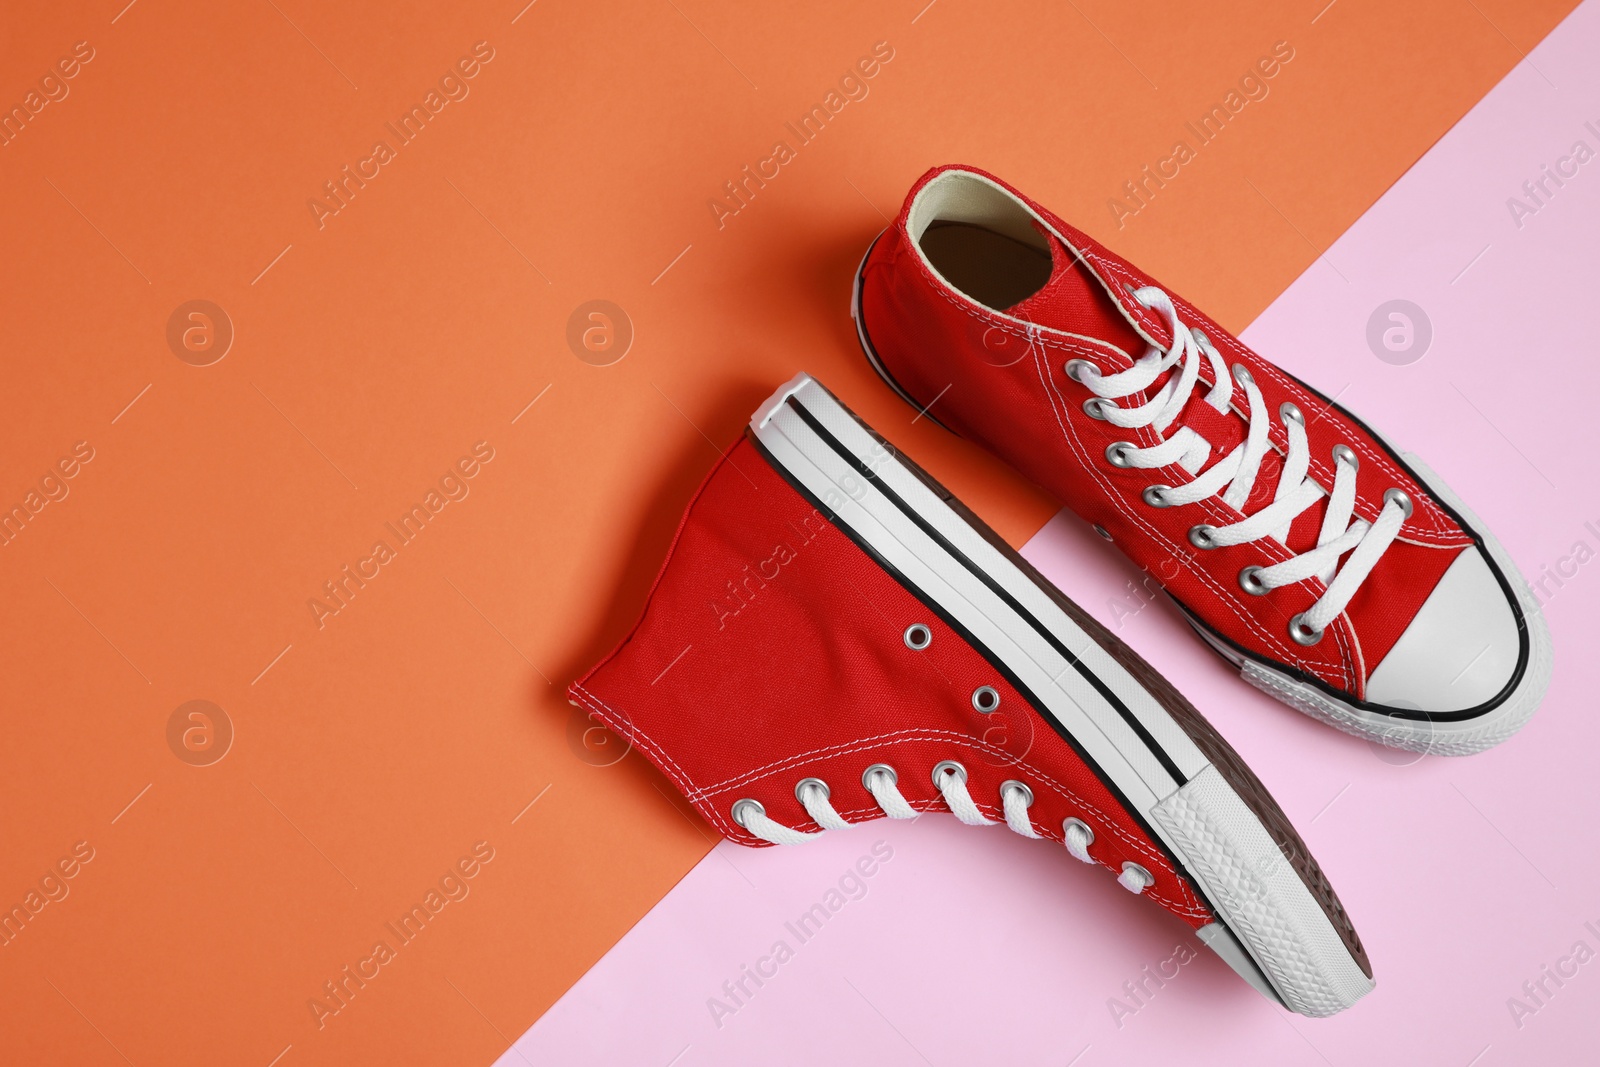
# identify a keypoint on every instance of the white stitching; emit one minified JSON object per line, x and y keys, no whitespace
{"x":1130,"y":842}
{"x":1438,"y":521}
{"x":702,"y":798}
{"x":1079,"y":450}
{"x":624,"y":725}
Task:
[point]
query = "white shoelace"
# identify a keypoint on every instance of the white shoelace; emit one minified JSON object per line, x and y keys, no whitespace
{"x":1234,"y":475}
{"x":951,"y":778}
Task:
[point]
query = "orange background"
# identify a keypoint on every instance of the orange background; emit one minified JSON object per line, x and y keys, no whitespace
{"x":422,"y":318}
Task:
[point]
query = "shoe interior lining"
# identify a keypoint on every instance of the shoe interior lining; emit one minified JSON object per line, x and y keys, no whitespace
{"x":979,"y":239}
{"x":992,"y":269}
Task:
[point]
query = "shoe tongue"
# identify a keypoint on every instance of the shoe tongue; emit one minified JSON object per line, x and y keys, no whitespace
{"x":1073,"y":300}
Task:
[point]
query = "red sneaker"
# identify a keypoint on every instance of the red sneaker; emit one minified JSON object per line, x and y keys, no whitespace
{"x":1339,"y":575}
{"x":833,"y":638}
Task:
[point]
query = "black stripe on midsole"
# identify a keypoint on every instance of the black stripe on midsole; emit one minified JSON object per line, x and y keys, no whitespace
{"x":994,"y":660}
{"x":1011,"y":602}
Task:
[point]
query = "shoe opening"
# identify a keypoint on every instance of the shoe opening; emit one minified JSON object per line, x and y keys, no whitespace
{"x":980,"y":240}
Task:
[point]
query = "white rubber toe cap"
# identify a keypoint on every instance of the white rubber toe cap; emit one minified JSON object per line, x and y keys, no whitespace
{"x":1461,"y":649}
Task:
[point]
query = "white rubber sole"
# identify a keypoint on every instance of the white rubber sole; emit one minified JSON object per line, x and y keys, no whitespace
{"x":1272,"y":929}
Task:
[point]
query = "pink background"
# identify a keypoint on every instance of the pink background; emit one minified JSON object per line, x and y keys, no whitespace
{"x":1465,"y":876}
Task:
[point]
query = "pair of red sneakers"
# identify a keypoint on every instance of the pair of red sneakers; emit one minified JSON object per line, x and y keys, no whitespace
{"x":834,"y":637}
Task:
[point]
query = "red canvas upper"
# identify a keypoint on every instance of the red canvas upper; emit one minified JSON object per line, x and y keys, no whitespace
{"x":771,"y":650}
{"x":1000,"y":382}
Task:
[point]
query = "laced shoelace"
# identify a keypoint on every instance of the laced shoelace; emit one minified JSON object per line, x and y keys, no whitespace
{"x":951,"y":778}
{"x":1234,"y":476}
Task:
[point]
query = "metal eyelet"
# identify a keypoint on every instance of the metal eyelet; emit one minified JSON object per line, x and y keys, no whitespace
{"x":1250,"y":581}
{"x":1131,"y":288}
{"x":1075,"y":822}
{"x":1289,"y":412}
{"x":1199,"y":336}
{"x":1097,"y":528}
{"x":1303,"y":634}
{"x":1346,"y":454}
{"x":875,"y":769}
{"x":948,"y":766}
{"x":1144,"y":875}
{"x":986,"y":699}
{"x":1012,"y":785}
{"x":1117,"y":453}
{"x":1401,"y":497}
{"x":800,"y":789}
{"x":1079,"y":369}
{"x":741,"y":807}
{"x":918,"y":637}
{"x":1095,"y":407}
{"x":1156,"y":495}
{"x":1242,"y":375}
{"x":1203,"y":536}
